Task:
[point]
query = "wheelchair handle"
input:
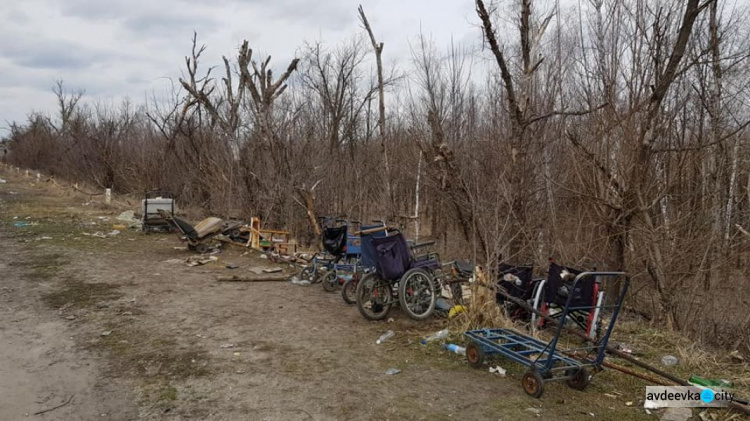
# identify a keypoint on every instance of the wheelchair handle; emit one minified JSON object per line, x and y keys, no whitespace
{"x":425,"y":244}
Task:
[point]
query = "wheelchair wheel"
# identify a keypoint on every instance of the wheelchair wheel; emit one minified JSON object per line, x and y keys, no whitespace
{"x":349,"y":291}
{"x":201,"y":248}
{"x":457,"y":293}
{"x":579,"y":378}
{"x":374,"y":297}
{"x":416,"y":293}
{"x":330,"y":281}
{"x":307,"y":274}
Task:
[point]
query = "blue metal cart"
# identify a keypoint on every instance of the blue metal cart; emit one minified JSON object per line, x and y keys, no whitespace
{"x":544,"y":360}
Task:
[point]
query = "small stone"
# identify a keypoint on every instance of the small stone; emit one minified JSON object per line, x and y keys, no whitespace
{"x":106,"y":333}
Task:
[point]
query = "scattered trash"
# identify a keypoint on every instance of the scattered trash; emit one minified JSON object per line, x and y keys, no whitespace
{"x":384,"y":337}
{"x":45,"y":238}
{"x":129,"y":218}
{"x":174,"y":261}
{"x":273,"y":270}
{"x":630,"y":403}
{"x":180,"y":248}
{"x":2,"y":181}
{"x":498,"y":370}
{"x":704,"y":416}
{"x":677,"y":414}
{"x":390,"y":320}
{"x":236,"y":354}
{"x":200,"y":260}
{"x":392,"y":371}
{"x":100,"y":234}
{"x":71,"y":317}
{"x":700,"y":381}
{"x":437,"y":336}
{"x":455,"y":311}
{"x":106,"y":333}
{"x":119,"y":227}
{"x":441,"y":304}
{"x":736,"y":356}
{"x":264,"y":278}
{"x":296,"y":281}
{"x":226,"y":346}
{"x":256,"y":270}
{"x":669,"y":360}
{"x":263,"y":256}
{"x":231,"y":266}
{"x":625,"y":348}
{"x":535,"y":411}
{"x":23,"y":224}
{"x":455,"y":348}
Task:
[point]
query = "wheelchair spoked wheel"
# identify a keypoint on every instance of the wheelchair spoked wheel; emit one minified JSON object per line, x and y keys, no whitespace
{"x":416,"y":293}
{"x":374,"y":297}
{"x":349,"y":291}
{"x":330,"y":281}
{"x":307,"y":274}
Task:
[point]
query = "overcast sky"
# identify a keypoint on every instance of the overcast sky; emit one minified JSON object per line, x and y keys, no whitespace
{"x":116,"y":48}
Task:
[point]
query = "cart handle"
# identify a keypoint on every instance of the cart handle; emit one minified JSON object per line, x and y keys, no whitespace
{"x":603,"y":342}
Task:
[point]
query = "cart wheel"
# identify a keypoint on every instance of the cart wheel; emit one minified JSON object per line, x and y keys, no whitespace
{"x":475,"y":354}
{"x":349,"y":291}
{"x":201,"y":248}
{"x":374,"y":297}
{"x":532,"y":383}
{"x":330,"y":281}
{"x":578,"y":378}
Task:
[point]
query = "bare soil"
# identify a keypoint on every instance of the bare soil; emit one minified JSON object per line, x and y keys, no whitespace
{"x":110,"y":326}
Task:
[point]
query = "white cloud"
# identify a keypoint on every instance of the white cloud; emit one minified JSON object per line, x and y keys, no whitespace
{"x":118,"y":48}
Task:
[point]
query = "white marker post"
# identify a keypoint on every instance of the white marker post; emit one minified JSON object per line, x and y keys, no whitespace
{"x":108,"y":196}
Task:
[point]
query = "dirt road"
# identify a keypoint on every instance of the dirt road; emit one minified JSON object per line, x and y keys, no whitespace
{"x":119,"y":328}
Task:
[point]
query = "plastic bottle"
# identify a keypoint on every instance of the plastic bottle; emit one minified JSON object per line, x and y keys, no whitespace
{"x":710,"y":382}
{"x":455,"y":348}
{"x":437,"y":336}
{"x":669,"y":360}
{"x":384,"y":337}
